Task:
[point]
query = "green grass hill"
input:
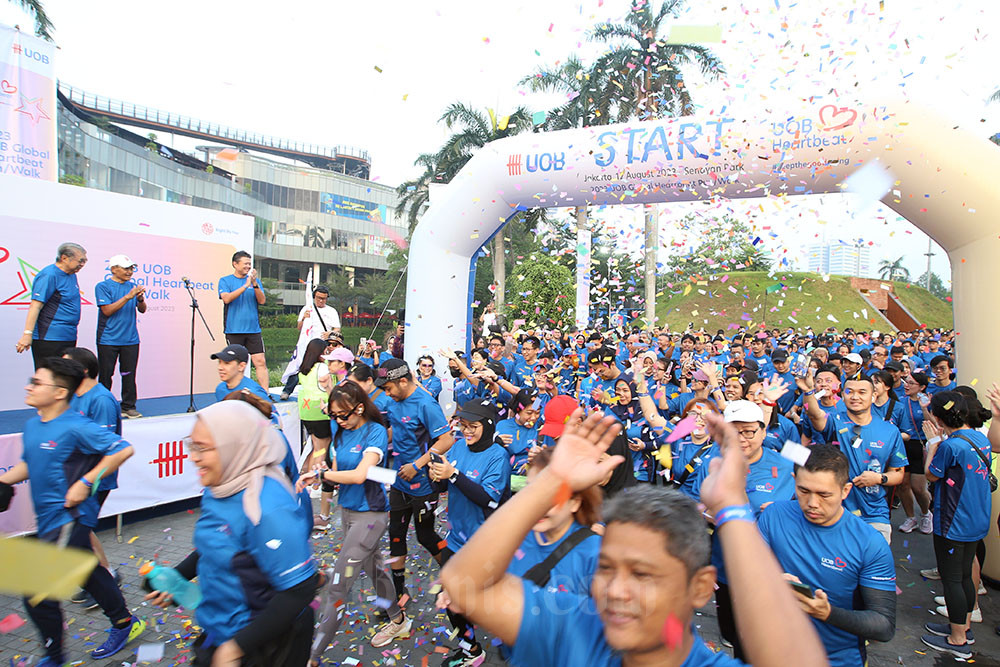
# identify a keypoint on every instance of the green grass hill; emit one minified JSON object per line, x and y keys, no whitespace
{"x":740,"y":298}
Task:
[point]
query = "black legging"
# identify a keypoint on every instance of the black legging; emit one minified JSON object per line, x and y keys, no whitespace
{"x":403,"y":507}
{"x":954,"y":561}
{"x":727,"y":622}
{"x":466,"y":630}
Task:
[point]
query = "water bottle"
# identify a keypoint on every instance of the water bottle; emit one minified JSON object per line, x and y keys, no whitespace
{"x":875,"y":467}
{"x":168,"y":580}
{"x":923,"y":399}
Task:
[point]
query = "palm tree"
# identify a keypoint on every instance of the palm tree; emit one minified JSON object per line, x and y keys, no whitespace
{"x":645,"y":81}
{"x":43,"y":26}
{"x":584,"y":87}
{"x":995,"y":97}
{"x":414,"y":195}
{"x":893,"y":270}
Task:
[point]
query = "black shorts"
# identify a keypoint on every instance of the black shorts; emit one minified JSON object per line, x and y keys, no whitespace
{"x":400,"y":501}
{"x":102,"y":496}
{"x":254,"y":343}
{"x":318,"y":429}
{"x":914,"y":457}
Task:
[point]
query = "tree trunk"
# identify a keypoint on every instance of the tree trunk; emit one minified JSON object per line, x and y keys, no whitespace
{"x":499,"y":270}
{"x":651,"y":247}
{"x":583,"y":252}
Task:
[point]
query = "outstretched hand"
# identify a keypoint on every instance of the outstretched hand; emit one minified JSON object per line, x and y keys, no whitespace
{"x":993,"y":393}
{"x":577,"y":456}
{"x":774,"y":388}
{"x":727,"y":480}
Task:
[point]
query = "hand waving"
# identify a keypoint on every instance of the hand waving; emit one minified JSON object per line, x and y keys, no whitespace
{"x":727,"y":482}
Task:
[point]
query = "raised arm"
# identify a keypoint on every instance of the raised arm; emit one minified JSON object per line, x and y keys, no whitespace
{"x":653,"y":417}
{"x":815,"y":413}
{"x":993,"y":393}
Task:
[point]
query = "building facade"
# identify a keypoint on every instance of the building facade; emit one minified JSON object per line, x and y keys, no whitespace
{"x":840,"y":259}
{"x":304,"y":217}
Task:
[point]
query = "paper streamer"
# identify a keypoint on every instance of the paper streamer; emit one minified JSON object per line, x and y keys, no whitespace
{"x":381,"y":475}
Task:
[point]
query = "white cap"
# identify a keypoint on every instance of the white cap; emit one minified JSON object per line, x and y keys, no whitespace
{"x":122,"y":261}
{"x":743,"y":411}
{"x":854,"y":358}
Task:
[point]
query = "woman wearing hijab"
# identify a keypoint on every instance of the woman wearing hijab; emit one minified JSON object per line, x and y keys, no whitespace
{"x":641,"y":440}
{"x":252,"y":555}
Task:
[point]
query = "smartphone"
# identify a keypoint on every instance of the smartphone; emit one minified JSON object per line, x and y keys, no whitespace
{"x":364,"y":342}
{"x":435,"y":457}
{"x":804,"y":589}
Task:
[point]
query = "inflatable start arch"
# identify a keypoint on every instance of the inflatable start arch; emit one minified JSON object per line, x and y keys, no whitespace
{"x":941,"y":183}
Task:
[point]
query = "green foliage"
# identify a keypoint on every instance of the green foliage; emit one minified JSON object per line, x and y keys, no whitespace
{"x":937,"y":286}
{"x":893,"y":270}
{"x":273,"y":306}
{"x":541,"y":290}
{"x":73,"y":179}
{"x":43,"y":25}
{"x":725,"y":244}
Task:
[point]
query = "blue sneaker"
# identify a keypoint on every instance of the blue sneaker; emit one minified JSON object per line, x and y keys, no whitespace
{"x":944,"y":630}
{"x":941,"y":644}
{"x":49,"y":662}
{"x":118,"y":638}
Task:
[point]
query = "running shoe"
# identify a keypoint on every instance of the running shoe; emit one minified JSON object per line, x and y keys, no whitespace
{"x":944,"y":630}
{"x":909,"y":525}
{"x":460,"y":657}
{"x":50,"y":662}
{"x":942,"y":610}
{"x":391,"y":631}
{"x":941,"y":644}
{"x":118,"y":638}
{"x":131,"y":413}
{"x":927,"y":523}
{"x":930,"y":574}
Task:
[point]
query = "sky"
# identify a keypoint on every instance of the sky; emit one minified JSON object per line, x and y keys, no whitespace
{"x":378,"y":75}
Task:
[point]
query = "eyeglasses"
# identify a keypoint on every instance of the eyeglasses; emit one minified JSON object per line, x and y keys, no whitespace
{"x":342,"y":416}
{"x":748,"y":433}
{"x":496,"y":345}
{"x":427,"y":365}
{"x":196,"y":448}
{"x":35,"y":382}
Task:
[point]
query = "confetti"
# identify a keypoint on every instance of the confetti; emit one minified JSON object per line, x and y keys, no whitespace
{"x":672,"y":633}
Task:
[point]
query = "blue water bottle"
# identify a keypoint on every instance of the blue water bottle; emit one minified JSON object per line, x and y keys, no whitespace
{"x":168,"y":580}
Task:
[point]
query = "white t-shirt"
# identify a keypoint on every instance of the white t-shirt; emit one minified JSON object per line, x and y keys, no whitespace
{"x":311,"y":327}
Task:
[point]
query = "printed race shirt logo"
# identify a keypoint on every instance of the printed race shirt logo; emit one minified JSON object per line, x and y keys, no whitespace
{"x":837,"y":563}
{"x":50,"y":445}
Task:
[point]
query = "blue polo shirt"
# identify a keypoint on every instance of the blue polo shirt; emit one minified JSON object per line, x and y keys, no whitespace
{"x":59,"y":293}
{"x":417,"y":421}
{"x":240,"y":314}
{"x":522,"y":439}
{"x":878,"y":448}
{"x":962,"y":495}
{"x":838,"y":559}
{"x":240,"y":565}
{"x":522,"y":374}
{"x":764,"y":365}
{"x":564,"y":630}
{"x":351,"y":447}
{"x":119,"y":328}
{"x":490,"y":469}
{"x":58,"y":453}
{"x":100,"y":406}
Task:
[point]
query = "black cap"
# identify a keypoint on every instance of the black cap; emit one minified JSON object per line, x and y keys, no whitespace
{"x":893,"y":365}
{"x":389,"y":370}
{"x":750,"y":364}
{"x":233,"y":353}
{"x":595,"y":336}
{"x":497,"y":368}
{"x":478,"y":410}
{"x":602,"y":355}
{"x":779,"y":355}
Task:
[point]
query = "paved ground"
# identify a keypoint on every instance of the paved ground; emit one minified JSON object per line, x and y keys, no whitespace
{"x":168,"y":538}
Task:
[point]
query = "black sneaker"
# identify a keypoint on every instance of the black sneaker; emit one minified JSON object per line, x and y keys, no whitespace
{"x":460,"y":657}
{"x":941,"y":644}
{"x":88,"y":601}
{"x":944,"y":630}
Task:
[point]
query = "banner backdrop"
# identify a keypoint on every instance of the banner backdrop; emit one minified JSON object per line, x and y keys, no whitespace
{"x":166,"y":241}
{"x":27,"y":106}
{"x":159,"y":472}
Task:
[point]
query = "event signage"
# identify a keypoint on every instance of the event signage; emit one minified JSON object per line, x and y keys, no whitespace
{"x":27,"y":106}
{"x":352,"y":208}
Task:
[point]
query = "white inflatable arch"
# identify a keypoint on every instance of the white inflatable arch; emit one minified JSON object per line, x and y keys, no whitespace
{"x":943,"y":183}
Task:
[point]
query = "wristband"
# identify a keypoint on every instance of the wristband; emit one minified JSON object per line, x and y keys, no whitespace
{"x":28,"y":331}
{"x":809,"y":393}
{"x":933,"y":441}
{"x":734,"y":513}
{"x":641,"y":394}
{"x":86,"y":483}
{"x":769,"y":404}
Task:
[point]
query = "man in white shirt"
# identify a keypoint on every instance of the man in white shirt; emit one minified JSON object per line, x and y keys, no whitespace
{"x":316,"y":320}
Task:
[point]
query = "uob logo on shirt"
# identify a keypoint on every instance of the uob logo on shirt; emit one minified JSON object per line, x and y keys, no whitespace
{"x":50,"y":445}
{"x":836,"y":563}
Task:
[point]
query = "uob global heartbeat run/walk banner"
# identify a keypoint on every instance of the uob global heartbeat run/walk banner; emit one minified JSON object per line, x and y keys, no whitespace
{"x":27,"y":106}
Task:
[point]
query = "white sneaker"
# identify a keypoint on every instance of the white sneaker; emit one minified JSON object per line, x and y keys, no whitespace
{"x":908,"y":525}
{"x":930,"y":574}
{"x":977,"y":614}
{"x":391,"y":631}
{"x":927,"y":523}
{"x":982,"y":589}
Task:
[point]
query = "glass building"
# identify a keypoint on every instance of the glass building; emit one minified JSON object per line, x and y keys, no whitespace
{"x":305,"y":217}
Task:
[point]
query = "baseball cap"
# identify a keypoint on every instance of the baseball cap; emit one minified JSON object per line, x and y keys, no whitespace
{"x":478,"y":410}
{"x":595,"y":337}
{"x":750,"y":364}
{"x":893,"y":365}
{"x":335,"y":336}
{"x":557,"y":412}
{"x":389,"y":370}
{"x":854,"y":358}
{"x":339,"y":354}
{"x":743,"y":411}
{"x":779,"y":355}
{"x":602,"y":355}
{"x":232,"y":353}
{"x":122,"y":261}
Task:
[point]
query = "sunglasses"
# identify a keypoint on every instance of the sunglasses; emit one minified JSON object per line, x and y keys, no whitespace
{"x":343,"y":416}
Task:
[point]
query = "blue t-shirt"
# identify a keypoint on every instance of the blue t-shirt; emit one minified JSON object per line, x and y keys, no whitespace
{"x":564,"y":630}
{"x":784,"y":430}
{"x":59,"y":293}
{"x":572,"y":574}
{"x":351,"y":447}
{"x":240,"y":314}
{"x":432,"y":384}
{"x":58,"y":453}
{"x":417,"y":421}
{"x":382,"y":402}
{"x":878,"y":448}
{"x":523,"y":374}
{"x":805,"y":424}
{"x":684,"y":453}
{"x":522,"y":439}
{"x":962,"y":494}
{"x":465,"y":391}
{"x":837,"y":559}
{"x":100,"y":406}
{"x":490,"y":469}
{"x":934,"y":387}
{"x":118,"y":328}
{"x":911,"y":419}
{"x":222,"y":390}
{"x":769,"y":480}
{"x":787,"y":400}
{"x":882,"y":411}
{"x":240,"y":565}
{"x":765,"y":367}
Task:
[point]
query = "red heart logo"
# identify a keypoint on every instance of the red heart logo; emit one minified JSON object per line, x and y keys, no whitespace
{"x":7,"y":87}
{"x":832,"y":117}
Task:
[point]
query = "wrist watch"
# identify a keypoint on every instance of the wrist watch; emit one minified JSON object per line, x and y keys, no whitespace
{"x":454,"y":477}
{"x":885,"y":479}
